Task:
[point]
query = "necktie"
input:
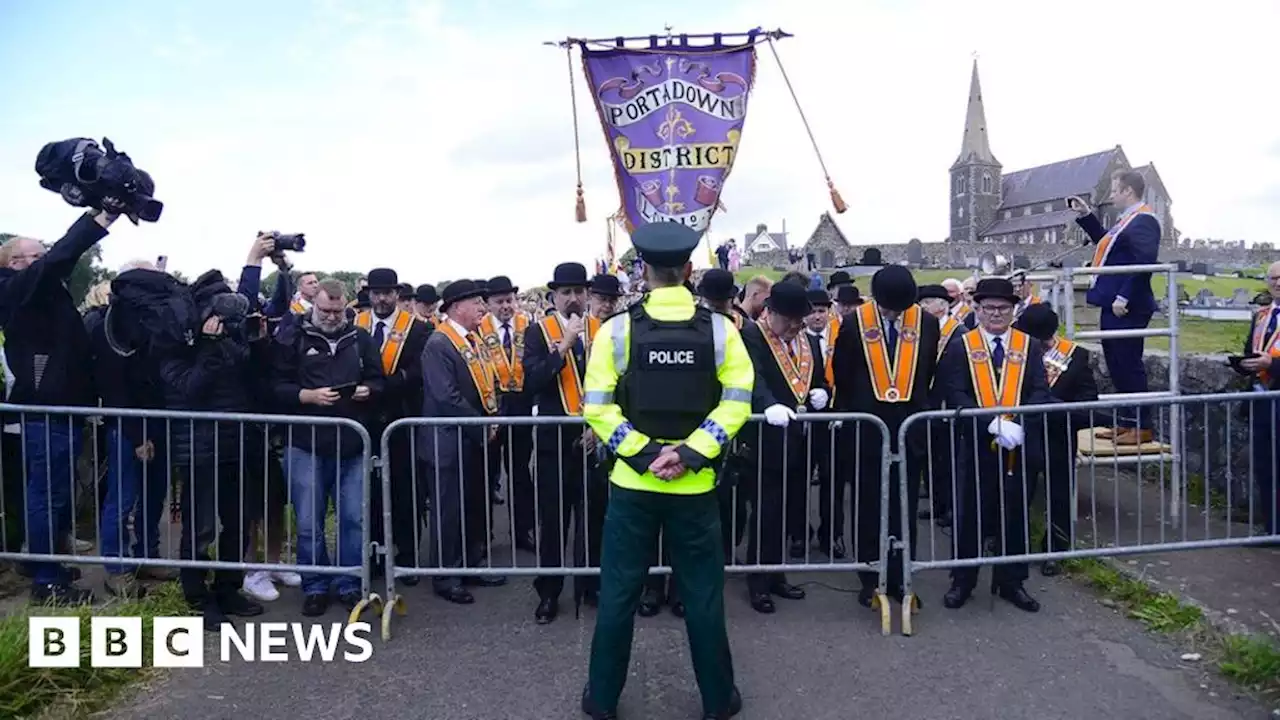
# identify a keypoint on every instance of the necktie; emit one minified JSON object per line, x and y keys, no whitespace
{"x":997,"y":355}
{"x":379,"y":334}
{"x":1271,"y":325}
{"x":891,"y":337}
{"x":506,"y":337}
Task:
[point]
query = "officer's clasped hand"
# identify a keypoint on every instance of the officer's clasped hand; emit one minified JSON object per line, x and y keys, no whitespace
{"x":779,"y":415}
{"x":1009,"y":434}
{"x":818,"y":398}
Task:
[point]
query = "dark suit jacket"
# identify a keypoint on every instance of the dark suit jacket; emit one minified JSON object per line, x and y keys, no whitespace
{"x":1274,"y":384}
{"x":448,"y":392}
{"x":542,"y":366}
{"x":1139,"y":244}
{"x":771,"y":388}
{"x":960,"y":394}
{"x":1076,"y":384}
{"x":854,"y":379}
{"x":403,"y":395}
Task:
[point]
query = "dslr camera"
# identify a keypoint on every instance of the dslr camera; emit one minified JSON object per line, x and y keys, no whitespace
{"x":90,"y":175}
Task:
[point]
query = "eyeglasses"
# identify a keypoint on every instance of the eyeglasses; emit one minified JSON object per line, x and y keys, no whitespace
{"x":996,"y":309}
{"x":332,"y":313}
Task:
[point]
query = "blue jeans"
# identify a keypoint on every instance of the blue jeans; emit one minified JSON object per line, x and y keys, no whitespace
{"x":313,"y":481}
{"x":51,"y":445}
{"x":126,"y":478}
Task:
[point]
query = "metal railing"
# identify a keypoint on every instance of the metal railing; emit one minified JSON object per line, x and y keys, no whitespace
{"x":226,"y":479}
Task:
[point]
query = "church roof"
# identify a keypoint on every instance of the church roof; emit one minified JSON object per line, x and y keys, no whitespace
{"x":1055,"y":181}
{"x":1025,"y":223}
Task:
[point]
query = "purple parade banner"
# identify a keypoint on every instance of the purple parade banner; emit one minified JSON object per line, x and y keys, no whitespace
{"x":673,"y":119}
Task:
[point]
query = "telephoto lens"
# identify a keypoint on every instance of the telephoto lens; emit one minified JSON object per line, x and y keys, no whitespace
{"x":295,"y":242}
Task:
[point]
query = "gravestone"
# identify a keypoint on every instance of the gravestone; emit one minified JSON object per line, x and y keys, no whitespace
{"x":1241,"y":297}
{"x":915,"y":252}
{"x":1204,"y":296}
{"x":871,"y":256}
{"x":1021,"y":262}
{"x":1182,"y":266}
{"x":1199,"y":268}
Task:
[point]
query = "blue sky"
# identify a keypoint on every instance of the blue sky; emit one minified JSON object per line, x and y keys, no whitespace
{"x":436,"y":137}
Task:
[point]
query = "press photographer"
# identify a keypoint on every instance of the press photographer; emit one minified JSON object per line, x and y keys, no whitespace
{"x":46,"y":351}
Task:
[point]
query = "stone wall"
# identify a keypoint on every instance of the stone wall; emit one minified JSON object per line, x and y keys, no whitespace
{"x":1216,"y":434}
{"x":955,"y":255}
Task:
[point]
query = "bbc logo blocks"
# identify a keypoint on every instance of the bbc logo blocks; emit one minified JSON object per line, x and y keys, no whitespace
{"x":115,"y":642}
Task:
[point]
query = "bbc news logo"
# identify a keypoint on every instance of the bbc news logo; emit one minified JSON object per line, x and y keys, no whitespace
{"x":179,"y":642}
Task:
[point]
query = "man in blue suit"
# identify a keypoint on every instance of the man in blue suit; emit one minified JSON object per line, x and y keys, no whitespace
{"x":1126,"y":301}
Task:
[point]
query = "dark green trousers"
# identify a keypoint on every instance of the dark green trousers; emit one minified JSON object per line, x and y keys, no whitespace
{"x":690,"y":525}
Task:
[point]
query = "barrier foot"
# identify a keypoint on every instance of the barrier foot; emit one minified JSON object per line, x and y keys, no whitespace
{"x":910,"y":606}
{"x":881,"y":602}
{"x":371,"y":601}
{"x":395,"y":606}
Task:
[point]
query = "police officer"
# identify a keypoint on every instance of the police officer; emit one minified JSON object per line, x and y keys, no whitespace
{"x":668,"y":384}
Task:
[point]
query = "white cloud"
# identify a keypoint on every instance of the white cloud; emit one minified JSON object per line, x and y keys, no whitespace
{"x":444,"y":150}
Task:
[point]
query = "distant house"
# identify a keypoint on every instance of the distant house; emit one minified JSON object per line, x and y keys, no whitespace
{"x":1028,"y":206}
{"x":767,"y":249}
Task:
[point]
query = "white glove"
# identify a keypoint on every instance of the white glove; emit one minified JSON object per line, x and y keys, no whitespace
{"x":818,"y":398}
{"x":1005,"y":442}
{"x":779,"y":415}
{"x":994,"y":427}
{"x":1012,"y":432}
{"x":837,"y":424}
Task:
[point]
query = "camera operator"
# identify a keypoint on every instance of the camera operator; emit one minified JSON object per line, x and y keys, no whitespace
{"x":263,"y":248}
{"x":327,"y":366}
{"x":221,"y":372}
{"x":46,"y":351}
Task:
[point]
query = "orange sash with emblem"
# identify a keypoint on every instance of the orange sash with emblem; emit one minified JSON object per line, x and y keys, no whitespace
{"x":1058,"y":359}
{"x":962,"y":312}
{"x":481,"y":373}
{"x":510,"y":369}
{"x":797,"y":373}
{"x":948,"y":328}
{"x":570,"y":383}
{"x":1262,"y":343}
{"x":297,"y":308}
{"x":891,"y":382}
{"x":1008,"y":392}
{"x":1103,"y":249}
{"x":393,"y":343}
{"x":833,"y":332}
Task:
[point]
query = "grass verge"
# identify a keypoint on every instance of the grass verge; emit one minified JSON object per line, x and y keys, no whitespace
{"x":1250,"y":661}
{"x":27,"y":692}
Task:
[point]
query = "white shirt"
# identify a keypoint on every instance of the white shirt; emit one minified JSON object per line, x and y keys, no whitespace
{"x":991,"y":339}
{"x":465,"y":333}
{"x":822,"y":338}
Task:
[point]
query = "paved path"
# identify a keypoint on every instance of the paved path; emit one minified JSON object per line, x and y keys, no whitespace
{"x":818,"y":658}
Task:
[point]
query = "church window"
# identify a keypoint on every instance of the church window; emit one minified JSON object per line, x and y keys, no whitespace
{"x":1048,"y":207}
{"x":986,"y":182}
{"x":960,"y":212}
{"x":959,"y":184}
{"x":1008,"y":214}
{"x":1026,"y":211}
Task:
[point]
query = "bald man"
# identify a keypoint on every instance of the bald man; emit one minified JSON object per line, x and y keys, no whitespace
{"x":1261,"y":350}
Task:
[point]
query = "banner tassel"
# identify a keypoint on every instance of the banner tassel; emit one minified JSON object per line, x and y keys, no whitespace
{"x":836,"y":201}
{"x":580,"y":210}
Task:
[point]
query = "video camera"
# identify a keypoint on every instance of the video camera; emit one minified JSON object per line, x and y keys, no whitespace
{"x":86,"y":175}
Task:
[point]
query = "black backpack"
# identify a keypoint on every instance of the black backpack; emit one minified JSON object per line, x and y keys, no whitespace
{"x":152,"y":311}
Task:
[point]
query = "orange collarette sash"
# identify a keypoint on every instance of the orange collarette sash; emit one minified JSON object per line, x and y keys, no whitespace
{"x":962,"y":311}
{"x":297,"y":308}
{"x":570,"y":379}
{"x":798,"y":374}
{"x":947,"y":329}
{"x":481,"y":373}
{"x":393,"y":343}
{"x":1058,"y":359}
{"x":891,"y":382}
{"x":1260,"y":342}
{"x":1108,"y":241}
{"x":510,"y":369}
{"x":1008,"y":392}
{"x":833,"y":332}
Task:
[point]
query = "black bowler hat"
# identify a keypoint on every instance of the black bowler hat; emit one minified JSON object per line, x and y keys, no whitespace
{"x":893,"y":288}
{"x":607,"y":285}
{"x":406,"y":291}
{"x":459,"y":290}
{"x":1039,"y":321}
{"x":501,"y":285}
{"x":839,"y":278}
{"x":665,"y":244}
{"x":362,"y":299}
{"x":427,"y":294}
{"x":789,"y":300}
{"x":717,"y":284}
{"x":383,"y":279}
{"x":936,"y":292}
{"x":569,"y":275}
{"x":996,"y":288}
{"x":819,"y":298}
{"x":848,"y":295}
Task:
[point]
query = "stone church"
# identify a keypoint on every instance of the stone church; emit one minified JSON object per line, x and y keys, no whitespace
{"x":1029,"y":206}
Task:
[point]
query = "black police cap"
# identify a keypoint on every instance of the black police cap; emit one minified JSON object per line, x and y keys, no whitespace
{"x":665,"y":244}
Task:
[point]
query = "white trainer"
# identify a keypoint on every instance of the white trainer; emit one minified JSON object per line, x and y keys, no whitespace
{"x":288,"y":579}
{"x":257,"y":585}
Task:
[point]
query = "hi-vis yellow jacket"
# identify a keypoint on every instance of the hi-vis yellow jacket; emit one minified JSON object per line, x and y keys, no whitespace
{"x":610,"y":352}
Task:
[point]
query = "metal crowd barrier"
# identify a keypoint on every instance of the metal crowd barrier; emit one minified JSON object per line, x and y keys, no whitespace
{"x":469,"y":537}
{"x":1215,"y":455}
{"x":61,"y":464}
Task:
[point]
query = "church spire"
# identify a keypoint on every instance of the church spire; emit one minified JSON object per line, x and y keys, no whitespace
{"x":976,"y":147}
